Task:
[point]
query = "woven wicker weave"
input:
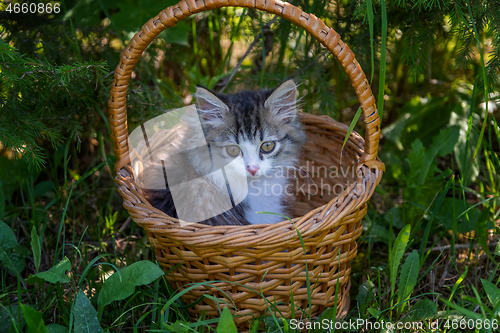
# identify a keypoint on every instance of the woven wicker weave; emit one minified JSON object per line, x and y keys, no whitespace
{"x":268,"y":260}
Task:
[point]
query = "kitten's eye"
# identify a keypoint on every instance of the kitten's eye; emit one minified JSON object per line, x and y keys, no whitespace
{"x":233,"y":150}
{"x":267,"y":147}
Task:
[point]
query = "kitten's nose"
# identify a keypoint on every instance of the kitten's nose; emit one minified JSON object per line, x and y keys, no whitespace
{"x":253,"y":169}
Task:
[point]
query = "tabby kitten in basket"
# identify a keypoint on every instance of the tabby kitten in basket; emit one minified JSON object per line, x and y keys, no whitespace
{"x":259,"y":129}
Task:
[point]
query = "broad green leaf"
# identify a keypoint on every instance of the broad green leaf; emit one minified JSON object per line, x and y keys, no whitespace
{"x":329,"y":313}
{"x":442,"y":145}
{"x":8,"y":250}
{"x":420,"y":187}
{"x":423,"y":163}
{"x":397,"y":253}
{"x":177,"y":35}
{"x":7,"y":314}
{"x":416,"y":161}
{"x":453,"y":208}
{"x":420,"y":118}
{"x":396,"y":214}
{"x":22,"y":250}
{"x":374,"y":312}
{"x":272,"y":324}
{"x":54,"y":274}
{"x":33,"y":320}
{"x":409,"y":276}
{"x":378,"y":233}
{"x":178,"y":327}
{"x":8,"y":240}
{"x":492,"y":292}
{"x":55,"y":328}
{"x":13,"y":262}
{"x":423,"y":309}
{"x":42,"y":188}
{"x":365,"y":295}
{"x":445,"y":142}
{"x":85,"y":316}
{"x":121,"y":285}
{"x":36,"y":247}
{"x":132,"y":16}
{"x":428,"y":228}
{"x":365,"y":292}
{"x":226,"y":322}
{"x":419,"y":199}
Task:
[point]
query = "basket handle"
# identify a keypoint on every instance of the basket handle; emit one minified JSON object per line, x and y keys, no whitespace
{"x":315,"y":26}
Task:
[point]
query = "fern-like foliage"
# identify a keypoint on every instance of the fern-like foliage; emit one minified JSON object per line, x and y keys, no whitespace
{"x":424,"y":24}
{"x":40,"y":102}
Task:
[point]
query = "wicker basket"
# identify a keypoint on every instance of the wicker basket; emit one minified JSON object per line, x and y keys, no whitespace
{"x":250,"y":261}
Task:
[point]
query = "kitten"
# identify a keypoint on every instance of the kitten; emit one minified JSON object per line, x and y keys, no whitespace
{"x":255,"y":137}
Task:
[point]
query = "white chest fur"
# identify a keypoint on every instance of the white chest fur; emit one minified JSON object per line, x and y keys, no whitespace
{"x":265,"y":194}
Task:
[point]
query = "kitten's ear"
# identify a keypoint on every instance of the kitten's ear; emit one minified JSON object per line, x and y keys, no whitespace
{"x":283,"y":102}
{"x":210,"y":108}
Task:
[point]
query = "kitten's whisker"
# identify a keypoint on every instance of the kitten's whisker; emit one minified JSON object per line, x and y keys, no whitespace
{"x":293,"y":175}
{"x":306,"y":174}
